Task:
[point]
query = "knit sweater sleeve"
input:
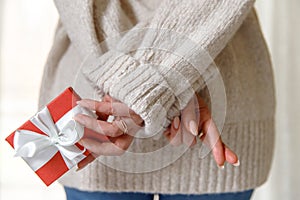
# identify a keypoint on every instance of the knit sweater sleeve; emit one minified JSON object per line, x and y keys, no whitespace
{"x":156,"y":67}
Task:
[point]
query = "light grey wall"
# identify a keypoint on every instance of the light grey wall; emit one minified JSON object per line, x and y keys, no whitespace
{"x":280,"y":22}
{"x":1,"y":22}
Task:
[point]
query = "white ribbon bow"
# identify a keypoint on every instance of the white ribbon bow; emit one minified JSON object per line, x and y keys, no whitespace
{"x":37,"y":149}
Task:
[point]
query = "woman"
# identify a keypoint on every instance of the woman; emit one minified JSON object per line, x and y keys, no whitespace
{"x":143,"y":62}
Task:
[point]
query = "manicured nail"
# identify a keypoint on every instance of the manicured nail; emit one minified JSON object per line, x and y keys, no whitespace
{"x":221,"y":167}
{"x":176,"y":122}
{"x":200,"y":134}
{"x":237,"y":163}
{"x":193,"y":127}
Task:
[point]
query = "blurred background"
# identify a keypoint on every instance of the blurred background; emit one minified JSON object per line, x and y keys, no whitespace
{"x":26,"y":33}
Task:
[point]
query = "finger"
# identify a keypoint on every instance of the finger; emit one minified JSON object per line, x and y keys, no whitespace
{"x":104,"y":116}
{"x":167,"y":132}
{"x":108,"y":108}
{"x":111,"y":108}
{"x":218,"y":153}
{"x":231,"y":157}
{"x":187,"y":138}
{"x":107,"y":148}
{"x":102,"y":127}
{"x":82,"y":164}
{"x":88,"y":133}
{"x":190,"y":122}
{"x":123,"y":142}
{"x":132,"y":122}
{"x":213,"y":140}
{"x":204,"y":114}
{"x":190,"y":116}
{"x":211,"y":136}
{"x":175,"y":137}
{"x":109,"y":98}
{"x":132,"y":126}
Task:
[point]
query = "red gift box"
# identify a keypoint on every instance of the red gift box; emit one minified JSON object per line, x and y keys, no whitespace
{"x":48,"y":141}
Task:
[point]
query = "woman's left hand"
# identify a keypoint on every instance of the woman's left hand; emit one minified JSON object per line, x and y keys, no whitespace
{"x":195,"y":117}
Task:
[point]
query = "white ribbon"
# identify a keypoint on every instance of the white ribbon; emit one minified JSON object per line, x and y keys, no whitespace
{"x":37,"y":149}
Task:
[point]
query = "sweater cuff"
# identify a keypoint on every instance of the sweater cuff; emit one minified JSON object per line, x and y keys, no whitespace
{"x":154,"y":93}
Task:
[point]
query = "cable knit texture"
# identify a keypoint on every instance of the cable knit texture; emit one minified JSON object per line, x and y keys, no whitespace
{"x":153,"y":55}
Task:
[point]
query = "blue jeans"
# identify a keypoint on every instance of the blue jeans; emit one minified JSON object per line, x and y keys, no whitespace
{"x":74,"y":194}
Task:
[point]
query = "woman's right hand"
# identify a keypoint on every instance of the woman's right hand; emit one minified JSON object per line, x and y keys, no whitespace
{"x":195,"y":118}
{"x":107,"y":138}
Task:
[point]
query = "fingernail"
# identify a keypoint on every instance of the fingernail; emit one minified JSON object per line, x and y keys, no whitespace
{"x":221,"y":167}
{"x":237,"y":163}
{"x":176,"y":123}
{"x":200,"y":134}
{"x":193,"y":127}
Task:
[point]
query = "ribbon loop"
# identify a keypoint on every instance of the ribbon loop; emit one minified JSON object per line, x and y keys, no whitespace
{"x":63,"y":135}
{"x":66,"y":136}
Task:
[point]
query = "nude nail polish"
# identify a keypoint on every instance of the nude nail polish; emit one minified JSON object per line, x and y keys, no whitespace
{"x":176,"y":122}
{"x":193,"y":127}
{"x":222,"y":167}
{"x":237,"y":163}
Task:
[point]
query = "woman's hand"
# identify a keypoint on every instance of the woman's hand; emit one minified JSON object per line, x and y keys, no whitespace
{"x":180,"y":131}
{"x":120,"y":135}
{"x":196,"y":116}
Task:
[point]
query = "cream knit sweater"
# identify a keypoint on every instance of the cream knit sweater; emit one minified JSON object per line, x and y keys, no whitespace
{"x":153,"y":55}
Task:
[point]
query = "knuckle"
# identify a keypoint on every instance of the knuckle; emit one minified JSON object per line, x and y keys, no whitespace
{"x":119,"y":150}
{"x":98,"y":127}
{"x":112,"y":107}
{"x":131,"y":112}
{"x":97,"y":106}
{"x":137,"y":119}
{"x":118,"y":143}
{"x":115,"y":130}
{"x":88,"y":122}
{"x":123,"y":146}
